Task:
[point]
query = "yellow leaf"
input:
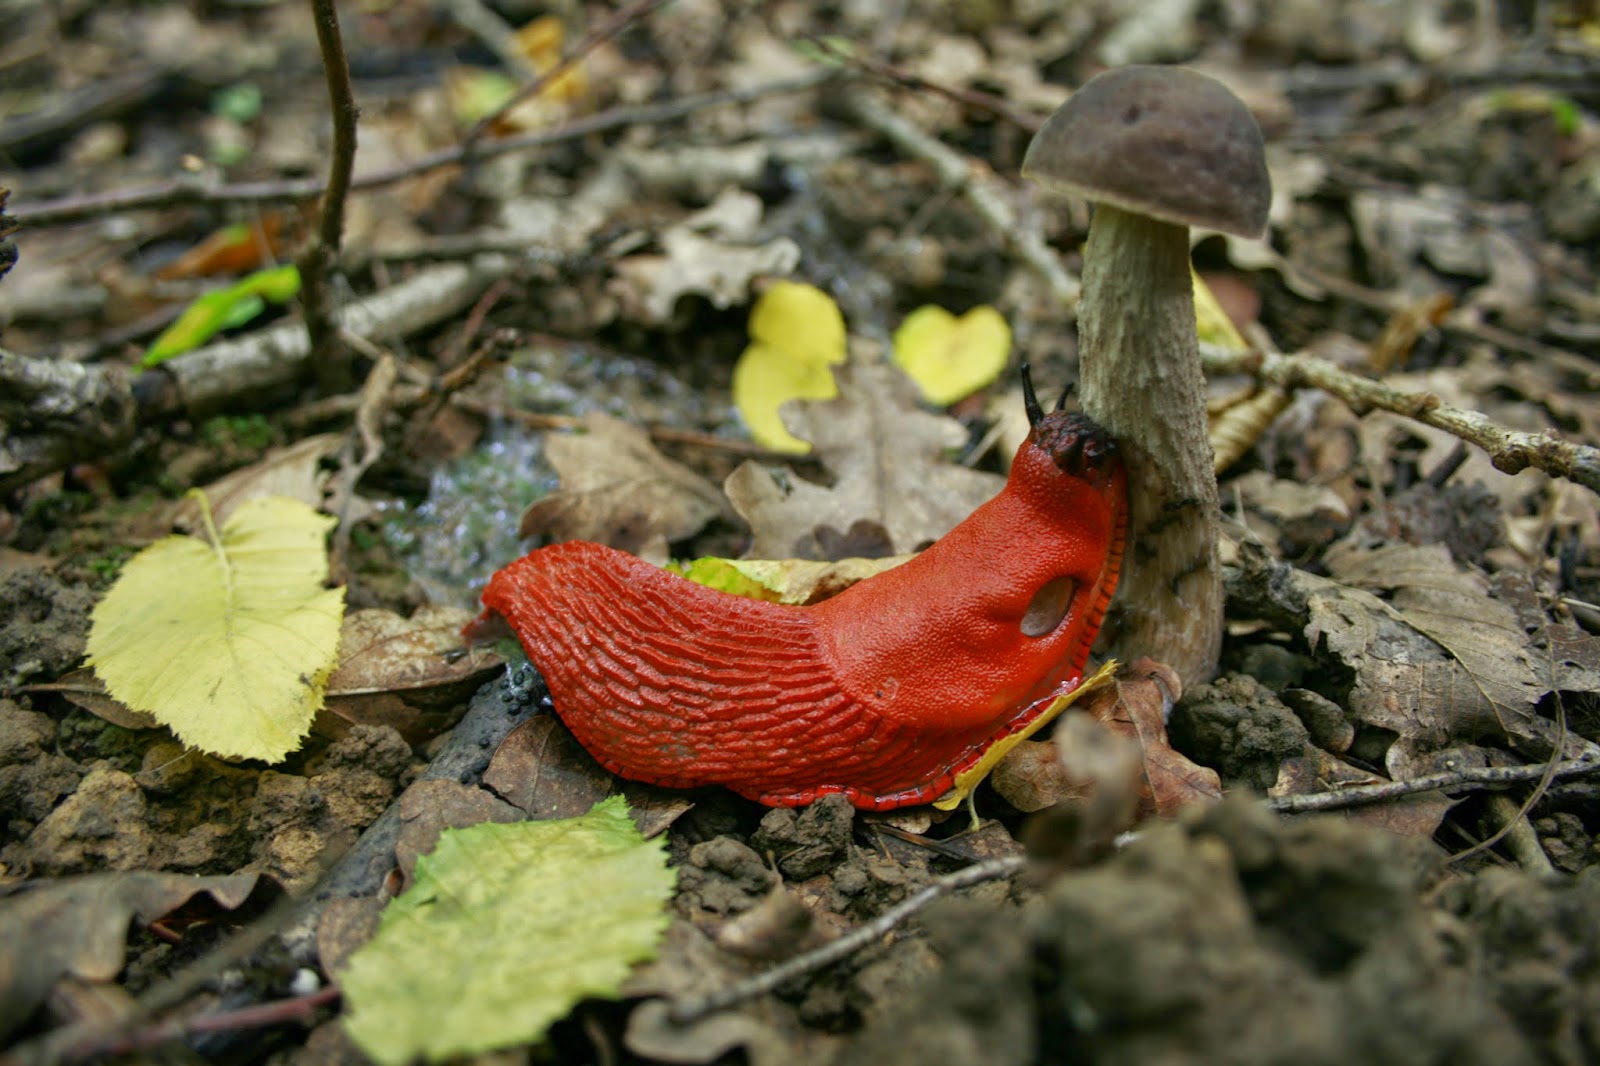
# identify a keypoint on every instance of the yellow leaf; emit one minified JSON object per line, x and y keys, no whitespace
{"x":764,"y":379}
{"x":226,"y":639}
{"x":951,"y":358}
{"x":794,"y":581}
{"x":796,"y":334}
{"x":801,"y":321}
{"x":542,"y":41}
{"x":1211,"y":321}
{"x":971,"y":778}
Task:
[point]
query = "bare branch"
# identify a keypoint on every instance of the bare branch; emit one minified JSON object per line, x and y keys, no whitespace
{"x":197,"y":190}
{"x":834,"y":951}
{"x":987,"y":195}
{"x":1510,"y":450}
{"x":1467,"y":779}
{"x":329,"y":357}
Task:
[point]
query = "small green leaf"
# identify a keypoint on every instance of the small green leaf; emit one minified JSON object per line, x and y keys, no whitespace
{"x":506,"y":928}
{"x":241,"y":102}
{"x":224,"y":309}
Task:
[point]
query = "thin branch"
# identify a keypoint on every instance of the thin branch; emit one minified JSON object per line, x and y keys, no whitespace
{"x":486,"y":24}
{"x":329,"y":357}
{"x":197,"y":190}
{"x":1510,"y":450}
{"x":594,"y":39}
{"x":986,"y":195}
{"x":688,"y":1011}
{"x":300,"y":1010}
{"x":1467,"y":779}
{"x":995,"y":105}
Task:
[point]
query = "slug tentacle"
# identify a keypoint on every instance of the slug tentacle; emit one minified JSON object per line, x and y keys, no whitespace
{"x":883,"y":693}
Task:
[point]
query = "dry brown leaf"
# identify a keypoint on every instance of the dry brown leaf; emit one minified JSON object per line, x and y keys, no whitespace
{"x":649,"y":286}
{"x":1403,"y":680}
{"x":406,"y":672}
{"x":1032,"y":778}
{"x":294,"y":471}
{"x":236,"y":249}
{"x":84,"y":690}
{"x":890,"y":460}
{"x":79,"y":926}
{"x":429,"y":807}
{"x":617,"y":489}
{"x":1453,"y":607}
{"x":1137,"y":705}
{"x":542,"y":769}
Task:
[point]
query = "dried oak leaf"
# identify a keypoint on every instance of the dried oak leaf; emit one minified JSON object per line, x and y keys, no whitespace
{"x":78,"y":926}
{"x":1403,"y":680}
{"x":403,"y":672}
{"x":889,"y":458}
{"x":1453,"y":607}
{"x":1137,"y":705}
{"x":617,"y":489}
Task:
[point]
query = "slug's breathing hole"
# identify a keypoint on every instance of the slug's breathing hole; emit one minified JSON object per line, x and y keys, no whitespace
{"x":1049,"y":606}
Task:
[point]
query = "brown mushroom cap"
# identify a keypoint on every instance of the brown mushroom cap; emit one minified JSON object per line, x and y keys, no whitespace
{"x":1167,"y":142}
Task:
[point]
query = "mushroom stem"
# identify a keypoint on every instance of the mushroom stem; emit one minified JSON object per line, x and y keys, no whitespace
{"x":1140,"y":378}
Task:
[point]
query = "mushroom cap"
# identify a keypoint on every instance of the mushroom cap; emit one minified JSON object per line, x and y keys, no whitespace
{"x":1166,"y":142}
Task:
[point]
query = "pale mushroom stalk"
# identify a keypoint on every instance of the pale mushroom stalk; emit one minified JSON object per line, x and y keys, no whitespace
{"x":1159,"y":149}
{"x":1140,"y":378}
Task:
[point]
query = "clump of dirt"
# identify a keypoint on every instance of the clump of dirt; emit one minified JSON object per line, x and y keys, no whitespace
{"x":33,"y":775}
{"x":1231,"y":935}
{"x":44,"y":626}
{"x":143,"y":801}
{"x":722,"y":877}
{"x":808,"y":841}
{"x":1236,"y":726}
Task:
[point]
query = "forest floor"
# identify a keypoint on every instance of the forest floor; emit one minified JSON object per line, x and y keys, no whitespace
{"x":1412,"y":597}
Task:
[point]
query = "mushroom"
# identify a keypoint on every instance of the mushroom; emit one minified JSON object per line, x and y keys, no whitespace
{"x":1158,"y":149}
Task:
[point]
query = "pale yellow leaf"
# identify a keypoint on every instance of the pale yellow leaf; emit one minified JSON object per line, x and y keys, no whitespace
{"x":800,"y":320}
{"x":764,"y":379}
{"x":796,"y":334}
{"x":1211,"y":321}
{"x":951,"y":358}
{"x":226,"y":639}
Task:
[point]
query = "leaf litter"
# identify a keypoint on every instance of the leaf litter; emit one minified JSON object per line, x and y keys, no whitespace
{"x":1395,"y":669}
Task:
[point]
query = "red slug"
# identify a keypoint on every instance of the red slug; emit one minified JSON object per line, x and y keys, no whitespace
{"x":883,"y":693}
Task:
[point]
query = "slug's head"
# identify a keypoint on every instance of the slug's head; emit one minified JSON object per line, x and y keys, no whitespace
{"x":1077,"y":445}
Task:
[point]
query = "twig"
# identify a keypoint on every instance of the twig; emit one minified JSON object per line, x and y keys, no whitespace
{"x":888,"y":72}
{"x":1509,"y":450}
{"x":301,"y":1009}
{"x":330,"y":359}
{"x":484,"y":23}
{"x":1520,"y":838}
{"x":688,"y":1011}
{"x":672,"y":434}
{"x":444,"y":387}
{"x":195,"y":190}
{"x":594,"y":39}
{"x":975,"y":183}
{"x":208,"y":378}
{"x":1467,"y":779}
